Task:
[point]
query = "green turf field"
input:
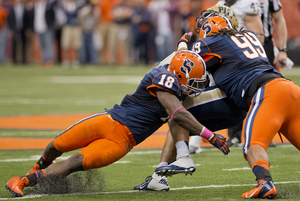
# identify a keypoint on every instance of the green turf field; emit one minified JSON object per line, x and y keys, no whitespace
{"x":31,"y":90}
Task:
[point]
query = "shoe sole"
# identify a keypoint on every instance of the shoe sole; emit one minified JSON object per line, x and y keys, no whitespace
{"x":13,"y":192}
{"x":171,"y":172}
{"x":270,"y":196}
{"x":148,"y":189}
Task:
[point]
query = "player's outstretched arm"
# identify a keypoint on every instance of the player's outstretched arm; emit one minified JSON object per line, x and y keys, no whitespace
{"x":187,"y":121}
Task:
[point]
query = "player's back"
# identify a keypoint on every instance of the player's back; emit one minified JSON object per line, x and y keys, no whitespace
{"x":141,"y":111}
{"x":243,"y":59}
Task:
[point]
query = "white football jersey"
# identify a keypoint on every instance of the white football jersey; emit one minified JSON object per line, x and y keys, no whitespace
{"x":243,"y":8}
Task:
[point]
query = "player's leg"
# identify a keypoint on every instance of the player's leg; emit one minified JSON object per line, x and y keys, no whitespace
{"x":157,"y":182}
{"x":71,"y":139}
{"x":184,"y":163}
{"x":94,"y":133}
{"x":47,"y":158}
{"x":194,"y":144}
{"x":259,"y":130}
{"x":291,"y":126}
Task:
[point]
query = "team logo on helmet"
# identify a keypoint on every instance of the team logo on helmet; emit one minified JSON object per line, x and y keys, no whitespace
{"x":190,"y":69}
{"x":213,"y":25}
{"x":227,"y":12}
{"x":187,"y":66}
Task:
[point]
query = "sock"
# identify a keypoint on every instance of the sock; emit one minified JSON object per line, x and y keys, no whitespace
{"x":195,"y":141}
{"x":162,"y":164}
{"x":43,"y":162}
{"x":33,"y":178}
{"x":261,"y":170}
{"x":182,"y":147}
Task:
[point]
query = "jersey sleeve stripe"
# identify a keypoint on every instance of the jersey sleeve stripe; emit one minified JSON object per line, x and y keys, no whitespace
{"x":155,"y":86}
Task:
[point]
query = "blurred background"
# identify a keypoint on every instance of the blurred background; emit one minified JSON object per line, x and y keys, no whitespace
{"x":74,"y":33}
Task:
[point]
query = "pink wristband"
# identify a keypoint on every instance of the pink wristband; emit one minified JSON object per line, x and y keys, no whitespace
{"x":207,"y":134}
{"x":176,"y":111}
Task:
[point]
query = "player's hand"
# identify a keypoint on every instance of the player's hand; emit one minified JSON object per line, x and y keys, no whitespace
{"x":281,"y":58}
{"x":220,"y":142}
{"x":185,"y":38}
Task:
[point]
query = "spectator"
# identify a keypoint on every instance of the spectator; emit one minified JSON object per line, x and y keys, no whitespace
{"x":120,"y":38}
{"x":88,"y":21}
{"x":206,"y":4}
{"x":3,"y":32}
{"x":60,"y":20}
{"x":17,"y":32}
{"x":106,"y":7}
{"x":29,"y":29}
{"x":184,"y":20}
{"x":71,"y":33}
{"x":142,"y":26}
{"x":44,"y":18}
{"x":164,"y":37}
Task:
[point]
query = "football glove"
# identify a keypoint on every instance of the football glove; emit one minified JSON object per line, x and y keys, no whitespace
{"x":220,"y":142}
{"x":185,"y":38}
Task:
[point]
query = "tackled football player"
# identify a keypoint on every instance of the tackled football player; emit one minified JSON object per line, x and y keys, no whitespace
{"x":240,"y":67}
{"x":107,"y":137}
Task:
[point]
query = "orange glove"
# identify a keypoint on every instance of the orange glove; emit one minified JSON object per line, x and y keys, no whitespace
{"x":185,"y":39}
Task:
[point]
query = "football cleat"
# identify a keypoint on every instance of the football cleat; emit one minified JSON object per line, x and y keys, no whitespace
{"x":16,"y":184}
{"x":195,"y":150}
{"x":264,"y":189}
{"x":154,"y":183}
{"x":183,"y":164}
{"x":35,"y":168}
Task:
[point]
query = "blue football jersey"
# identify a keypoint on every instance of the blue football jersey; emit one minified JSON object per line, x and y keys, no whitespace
{"x":242,"y":60}
{"x":141,"y":111}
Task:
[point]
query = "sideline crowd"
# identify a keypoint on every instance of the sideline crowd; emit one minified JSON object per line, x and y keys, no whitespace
{"x":97,"y":32}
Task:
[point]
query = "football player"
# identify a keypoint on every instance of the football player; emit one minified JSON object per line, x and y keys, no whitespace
{"x":248,"y":13}
{"x":240,"y":67}
{"x":107,"y":137}
{"x":212,"y":108}
{"x":194,"y":142}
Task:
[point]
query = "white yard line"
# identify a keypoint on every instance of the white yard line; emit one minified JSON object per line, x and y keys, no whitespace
{"x":132,"y":191}
{"x":36,"y":157}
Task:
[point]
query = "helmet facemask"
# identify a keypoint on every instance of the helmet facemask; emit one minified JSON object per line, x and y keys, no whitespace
{"x":194,"y":86}
{"x":200,"y":20}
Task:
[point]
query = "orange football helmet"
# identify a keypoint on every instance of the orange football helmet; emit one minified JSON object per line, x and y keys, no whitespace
{"x":190,"y":69}
{"x":214,"y":24}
